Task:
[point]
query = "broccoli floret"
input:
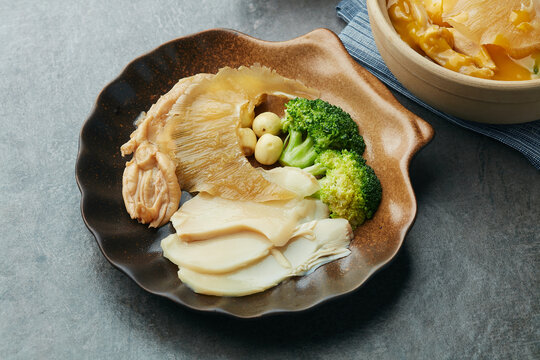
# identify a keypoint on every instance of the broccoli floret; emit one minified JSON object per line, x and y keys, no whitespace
{"x":350,"y":187}
{"x":314,"y":126}
{"x":324,"y":141}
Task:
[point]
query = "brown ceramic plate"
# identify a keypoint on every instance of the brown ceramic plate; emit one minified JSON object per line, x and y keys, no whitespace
{"x":392,"y":135}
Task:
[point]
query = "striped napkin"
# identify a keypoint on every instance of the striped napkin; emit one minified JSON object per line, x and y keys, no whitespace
{"x":358,"y":41}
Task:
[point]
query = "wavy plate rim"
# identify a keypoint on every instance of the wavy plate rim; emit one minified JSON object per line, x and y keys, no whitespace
{"x":425,"y":131}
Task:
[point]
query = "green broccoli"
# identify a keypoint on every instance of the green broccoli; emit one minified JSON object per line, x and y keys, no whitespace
{"x":350,"y":187}
{"x":313,"y":126}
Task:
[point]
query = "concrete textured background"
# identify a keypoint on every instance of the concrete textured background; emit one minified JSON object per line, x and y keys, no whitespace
{"x":465,"y":284}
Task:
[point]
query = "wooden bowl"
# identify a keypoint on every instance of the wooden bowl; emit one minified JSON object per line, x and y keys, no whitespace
{"x":467,"y":97}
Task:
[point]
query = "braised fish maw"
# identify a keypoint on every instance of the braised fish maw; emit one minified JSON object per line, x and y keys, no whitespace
{"x":200,"y":134}
{"x":192,"y":131}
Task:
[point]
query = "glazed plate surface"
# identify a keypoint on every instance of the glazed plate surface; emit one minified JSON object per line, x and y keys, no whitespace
{"x":392,"y":135}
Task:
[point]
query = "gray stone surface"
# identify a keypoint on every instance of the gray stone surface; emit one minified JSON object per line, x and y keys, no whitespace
{"x":465,"y":285}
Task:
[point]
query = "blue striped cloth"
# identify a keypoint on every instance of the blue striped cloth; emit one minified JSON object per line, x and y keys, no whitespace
{"x":358,"y":41}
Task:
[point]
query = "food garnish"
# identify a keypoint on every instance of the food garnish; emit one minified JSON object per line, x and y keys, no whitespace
{"x":268,"y":149}
{"x":324,"y":141}
{"x":248,"y":141}
{"x":349,"y":187}
{"x":266,"y":123}
{"x":313,"y":126}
